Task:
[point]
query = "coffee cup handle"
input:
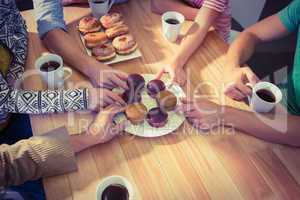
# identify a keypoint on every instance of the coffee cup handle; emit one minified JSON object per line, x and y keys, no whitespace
{"x":111,"y":4}
{"x":68,"y":71}
{"x":249,"y":85}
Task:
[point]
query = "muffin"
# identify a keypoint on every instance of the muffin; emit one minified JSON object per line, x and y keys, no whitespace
{"x":154,"y":87}
{"x":166,"y":100}
{"x":157,"y":118}
{"x":136,"y":82}
{"x":136,"y":113}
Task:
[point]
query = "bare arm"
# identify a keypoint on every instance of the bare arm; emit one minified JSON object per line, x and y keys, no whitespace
{"x":280,"y":128}
{"x":161,"y":6}
{"x":195,"y":36}
{"x":243,"y":47}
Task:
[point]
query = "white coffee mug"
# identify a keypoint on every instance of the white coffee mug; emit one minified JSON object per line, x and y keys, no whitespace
{"x":260,"y":105}
{"x":114,"y":180}
{"x":172,"y":31}
{"x":55,"y":78}
{"x":100,"y":7}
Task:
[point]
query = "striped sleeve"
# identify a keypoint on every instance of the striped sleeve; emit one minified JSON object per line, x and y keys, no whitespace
{"x":217,"y":5}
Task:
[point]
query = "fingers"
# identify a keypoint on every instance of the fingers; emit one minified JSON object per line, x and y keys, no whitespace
{"x":117,"y":81}
{"x":160,"y":73}
{"x":116,"y":129}
{"x":233,"y":92}
{"x":252,"y":78}
{"x":244,"y":89}
{"x":113,"y":98}
{"x":113,"y":110}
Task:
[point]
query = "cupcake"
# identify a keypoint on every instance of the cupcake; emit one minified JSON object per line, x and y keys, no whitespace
{"x":154,"y":87}
{"x":166,"y":100}
{"x":157,"y":118}
{"x":136,"y":113}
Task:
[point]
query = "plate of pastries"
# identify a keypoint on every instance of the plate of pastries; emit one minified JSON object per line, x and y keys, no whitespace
{"x":108,"y":39}
{"x":151,"y":105}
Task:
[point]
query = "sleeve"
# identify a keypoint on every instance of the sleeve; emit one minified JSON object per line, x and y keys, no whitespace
{"x":216,"y":5}
{"x":40,"y":156}
{"x":49,"y":15}
{"x":290,"y":16}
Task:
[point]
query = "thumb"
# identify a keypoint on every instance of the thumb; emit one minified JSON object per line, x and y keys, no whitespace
{"x":252,"y":78}
{"x":160,"y":73}
{"x":118,"y":128}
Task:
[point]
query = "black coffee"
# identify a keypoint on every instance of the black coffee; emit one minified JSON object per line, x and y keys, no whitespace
{"x":115,"y":192}
{"x":172,"y":21}
{"x":266,"y":95}
{"x":99,"y":1}
{"x":49,"y":66}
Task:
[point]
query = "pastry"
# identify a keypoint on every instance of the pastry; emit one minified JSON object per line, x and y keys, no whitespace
{"x":136,"y":82}
{"x":89,"y":25}
{"x":131,"y":96}
{"x":157,"y":118}
{"x":109,"y":20}
{"x":95,"y":39}
{"x":104,"y":52}
{"x":154,"y":87}
{"x":166,"y":100}
{"x":124,"y":44}
{"x":136,"y":113}
{"x":6,"y":58}
{"x":117,"y":31}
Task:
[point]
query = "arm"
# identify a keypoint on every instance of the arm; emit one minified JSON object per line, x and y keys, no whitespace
{"x":257,"y":127}
{"x":162,"y":6}
{"x":243,"y":47}
{"x":36,"y":157}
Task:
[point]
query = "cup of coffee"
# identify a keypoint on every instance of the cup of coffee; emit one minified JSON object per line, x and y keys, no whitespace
{"x":265,"y":96}
{"x":115,"y":187}
{"x":100,"y":7}
{"x":50,"y":67}
{"x":171,"y":24}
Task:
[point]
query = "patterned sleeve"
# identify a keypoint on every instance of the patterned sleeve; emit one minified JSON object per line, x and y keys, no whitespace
{"x":217,"y":5}
{"x":40,"y":102}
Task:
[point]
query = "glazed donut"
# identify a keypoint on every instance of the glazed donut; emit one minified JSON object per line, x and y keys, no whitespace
{"x":124,"y":44}
{"x":104,"y":52}
{"x":110,"y":19}
{"x":88,"y":25}
{"x":95,"y":39}
{"x":116,"y":31}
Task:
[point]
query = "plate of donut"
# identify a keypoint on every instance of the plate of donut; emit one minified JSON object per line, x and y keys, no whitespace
{"x":151,"y":106}
{"x":108,"y":39}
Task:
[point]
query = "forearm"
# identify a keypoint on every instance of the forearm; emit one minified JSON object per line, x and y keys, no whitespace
{"x":279,"y":128}
{"x":162,"y":6}
{"x":189,"y":45}
{"x":241,"y":49}
{"x":63,"y":44}
{"x":81,"y":142}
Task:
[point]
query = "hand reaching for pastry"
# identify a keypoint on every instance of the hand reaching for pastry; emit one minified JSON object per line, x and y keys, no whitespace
{"x":103,"y":128}
{"x":178,"y":75}
{"x":100,"y":98}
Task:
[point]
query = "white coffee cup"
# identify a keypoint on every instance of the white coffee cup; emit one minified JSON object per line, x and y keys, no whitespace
{"x":54,"y":78}
{"x":100,"y":7}
{"x":172,"y":31}
{"x":114,"y":180}
{"x":260,"y":105}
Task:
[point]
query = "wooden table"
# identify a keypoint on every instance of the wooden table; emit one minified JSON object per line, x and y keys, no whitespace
{"x":223,"y":164}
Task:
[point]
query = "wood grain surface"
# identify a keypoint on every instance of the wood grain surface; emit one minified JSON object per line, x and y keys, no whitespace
{"x":187,"y":164}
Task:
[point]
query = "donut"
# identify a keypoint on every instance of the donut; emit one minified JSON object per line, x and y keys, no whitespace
{"x":110,"y":19}
{"x":166,"y":100}
{"x":104,"y":52}
{"x":124,"y":44}
{"x":95,"y":39}
{"x":88,"y":25}
{"x":157,"y":118}
{"x":116,"y":31}
{"x":136,"y":113}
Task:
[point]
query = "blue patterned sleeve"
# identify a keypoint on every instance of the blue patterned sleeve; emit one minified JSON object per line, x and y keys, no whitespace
{"x":49,"y":15}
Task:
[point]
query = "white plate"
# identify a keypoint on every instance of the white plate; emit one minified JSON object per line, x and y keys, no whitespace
{"x":144,"y":129}
{"x":119,"y":58}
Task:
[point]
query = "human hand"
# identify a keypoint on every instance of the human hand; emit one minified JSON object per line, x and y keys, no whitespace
{"x":236,"y":80}
{"x":107,"y":77}
{"x":100,"y":98}
{"x":202,"y":114}
{"x":103,"y":129}
{"x":178,"y":75}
